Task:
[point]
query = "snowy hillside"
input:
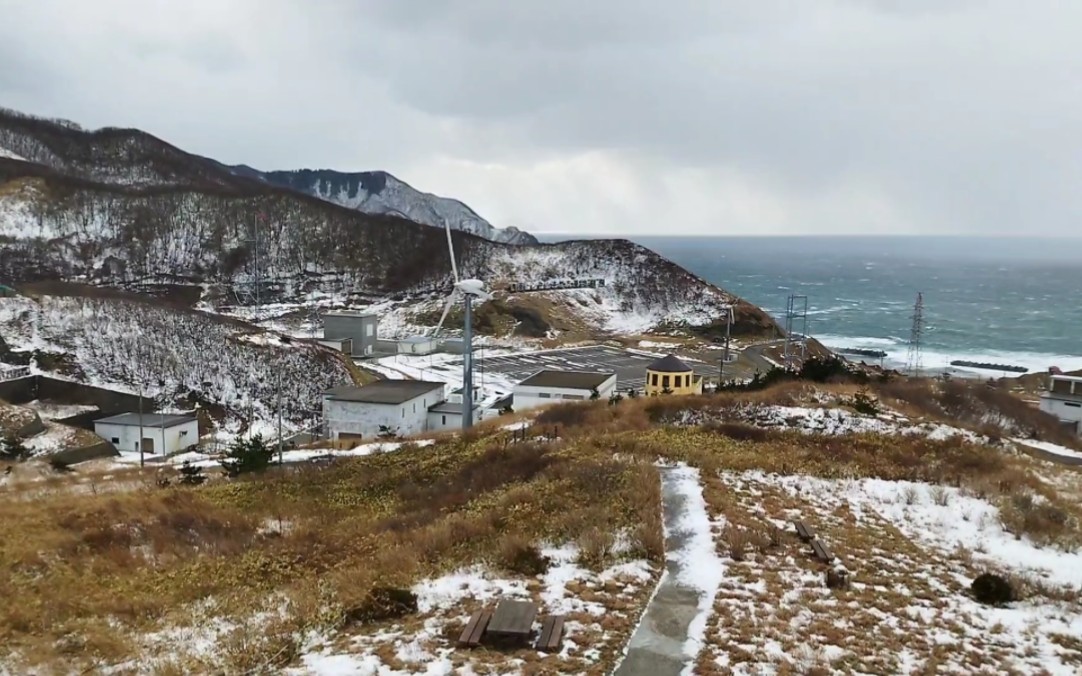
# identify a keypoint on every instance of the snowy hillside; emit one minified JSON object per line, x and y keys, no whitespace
{"x":177,"y":356}
{"x":377,"y":192}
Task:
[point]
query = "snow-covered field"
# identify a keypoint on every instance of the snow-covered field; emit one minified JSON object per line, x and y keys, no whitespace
{"x":911,"y":551}
{"x":1055,"y":449}
{"x":825,"y":420}
{"x":593,"y":602}
{"x":55,"y":438}
{"x":206,"y":460}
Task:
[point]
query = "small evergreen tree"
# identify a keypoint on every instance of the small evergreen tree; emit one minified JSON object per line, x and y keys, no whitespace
{"x":615,"y":398}
{"x":12,"y":448}
{"x":387,"y":432}
{"x":191,"y":475}
{"x":864,"y":402}
{"x":247,"y":455}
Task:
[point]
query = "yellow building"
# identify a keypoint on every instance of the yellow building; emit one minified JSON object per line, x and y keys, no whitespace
{"x":669,"y":375}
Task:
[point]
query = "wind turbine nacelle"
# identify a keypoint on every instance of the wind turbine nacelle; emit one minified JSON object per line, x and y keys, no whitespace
{"x":474,"y":287}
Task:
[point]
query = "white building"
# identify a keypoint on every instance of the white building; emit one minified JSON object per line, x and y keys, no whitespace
{"x":448,"y":416}
{"x":1063,"y":399}
{"x":162,"y":434}
{"x":400,"y":406}
{"x":550,"y":387}
{"x":417,"y":345}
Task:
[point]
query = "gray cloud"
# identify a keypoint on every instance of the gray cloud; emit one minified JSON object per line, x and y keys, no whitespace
{"x":617,"y":117}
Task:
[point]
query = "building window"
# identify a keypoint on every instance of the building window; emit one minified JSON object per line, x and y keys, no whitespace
{"x":654,"y":380}
{"x":444,"y":420}
{"x":403,"y":411}
{"x":115,"y":440}
{"x":415,"y":407}
{"x":368,"y":330}
{"x":665,"y":382}
{"x":544,"y":395}
{"x":1072,"y":404}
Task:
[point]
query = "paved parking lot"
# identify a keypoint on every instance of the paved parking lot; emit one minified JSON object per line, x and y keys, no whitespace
{"x":629,"y":367}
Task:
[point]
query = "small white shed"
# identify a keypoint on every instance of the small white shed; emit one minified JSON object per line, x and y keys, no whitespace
{"x":551,"y":387}
{"x":161,"y":433}
{"x":417,"y":345}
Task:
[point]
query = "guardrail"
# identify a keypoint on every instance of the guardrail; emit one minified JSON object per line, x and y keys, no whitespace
{"x":14,"y":373}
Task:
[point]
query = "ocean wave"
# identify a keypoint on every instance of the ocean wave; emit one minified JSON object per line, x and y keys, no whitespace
{"x":935,"y":358}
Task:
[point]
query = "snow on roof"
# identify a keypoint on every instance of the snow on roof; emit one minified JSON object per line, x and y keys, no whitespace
{"x":146,"y":420}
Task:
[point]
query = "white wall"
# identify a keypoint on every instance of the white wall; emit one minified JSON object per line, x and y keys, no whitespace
{"x":527,"y":397}
{"x":438,"y":422}
{"x":175,"y":438}
{"x":355,"y":417}
{"x":1064,"y":409}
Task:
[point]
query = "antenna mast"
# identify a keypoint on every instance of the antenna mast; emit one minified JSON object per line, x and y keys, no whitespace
{"x":914,"y":358}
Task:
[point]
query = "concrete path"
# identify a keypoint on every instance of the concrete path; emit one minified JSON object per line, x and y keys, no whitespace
{"x":657,"y":646}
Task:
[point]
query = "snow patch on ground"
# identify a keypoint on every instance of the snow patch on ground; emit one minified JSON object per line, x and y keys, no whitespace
{"x":1050,"y":447}
{"x":51,"y":410}
{"x":913,"y":590}
{"x":423,"y":645}
{"x":208,"y":460}
{"x":55,"y":438}
{"x":702,"y":569}
{"x":827,"y":421}
{"x":5,"y":153}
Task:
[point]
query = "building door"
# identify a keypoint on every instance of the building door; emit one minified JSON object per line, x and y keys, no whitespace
{"x":148,"y":444}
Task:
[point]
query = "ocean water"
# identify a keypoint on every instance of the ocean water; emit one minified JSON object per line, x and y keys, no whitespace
{"x":1015,"y":301}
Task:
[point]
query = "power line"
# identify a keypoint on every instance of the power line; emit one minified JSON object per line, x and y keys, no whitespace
{"x":915,"y":358}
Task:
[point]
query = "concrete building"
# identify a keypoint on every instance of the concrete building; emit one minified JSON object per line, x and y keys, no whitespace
{"x":162,"y":434}
{"x":1063,"y":399}
{"x":669,"y":375}
{"x":360,"y":328}
{"x":417,"y":345}
{"x":401,"y":406}
{"x":550,"y":387}
{"x":448,"y":416}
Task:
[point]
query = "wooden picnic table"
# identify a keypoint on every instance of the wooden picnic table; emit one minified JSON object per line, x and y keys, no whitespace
{"x":512,"y":621}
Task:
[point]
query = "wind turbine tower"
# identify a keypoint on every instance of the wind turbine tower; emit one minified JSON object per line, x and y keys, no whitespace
{"x":469,"y":289}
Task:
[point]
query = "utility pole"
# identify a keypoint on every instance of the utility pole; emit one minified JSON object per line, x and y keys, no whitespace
{"x":279,"y":418}
{"x":725,"y":354}
{"x":139,"y":444}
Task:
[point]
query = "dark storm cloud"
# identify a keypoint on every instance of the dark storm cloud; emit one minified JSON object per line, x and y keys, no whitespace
{"x":606,"y":116}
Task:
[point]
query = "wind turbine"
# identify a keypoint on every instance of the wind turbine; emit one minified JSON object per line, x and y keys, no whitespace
{"x":470,"y":289}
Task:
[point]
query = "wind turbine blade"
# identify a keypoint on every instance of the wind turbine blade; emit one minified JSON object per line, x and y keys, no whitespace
{"x":451,"y":249}
{"x":443,"y":317}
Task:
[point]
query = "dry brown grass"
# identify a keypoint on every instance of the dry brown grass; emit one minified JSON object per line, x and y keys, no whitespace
{"x":98,"y":571}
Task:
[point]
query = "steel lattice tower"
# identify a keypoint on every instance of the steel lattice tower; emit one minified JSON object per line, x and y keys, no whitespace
{"x":914,"y":358}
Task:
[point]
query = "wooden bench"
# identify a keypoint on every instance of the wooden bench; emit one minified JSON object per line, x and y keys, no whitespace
{"x":552,"y":631}
{"x":821,"y":552}
{"x":475,"y":628}
{"x":803,"y":531}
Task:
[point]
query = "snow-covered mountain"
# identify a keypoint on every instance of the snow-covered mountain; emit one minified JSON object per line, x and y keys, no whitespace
{"x":121,"y":208}
{"x":129,"y":157}
{"x":377,"y":192}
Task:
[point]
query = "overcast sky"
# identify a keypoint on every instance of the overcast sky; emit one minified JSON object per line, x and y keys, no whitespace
{"x":603,"y":116}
